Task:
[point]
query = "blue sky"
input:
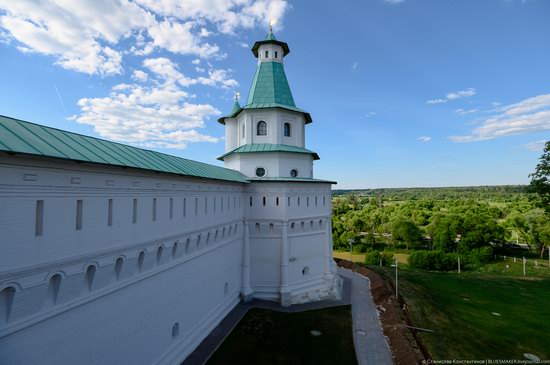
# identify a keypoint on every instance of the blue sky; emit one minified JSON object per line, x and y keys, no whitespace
{"x":402,"y":93}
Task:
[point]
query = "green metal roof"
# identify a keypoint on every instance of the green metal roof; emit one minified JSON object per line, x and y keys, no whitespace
{"x":290,"y":179}
{"x":269,"y":147}
{"x":17,"y":136}
{"x":270,"y":86}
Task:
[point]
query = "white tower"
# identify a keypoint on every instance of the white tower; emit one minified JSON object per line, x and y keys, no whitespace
{"x":287,"y":248}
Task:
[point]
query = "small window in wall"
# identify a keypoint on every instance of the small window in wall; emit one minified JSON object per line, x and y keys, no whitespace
{"x":311,"y":224}
{"x":198,"y":244}
{"x":134,"y":211}
{"x":302,"y":226}
{"x":175,"y":330}
{"x":288,"y":201}
{"x":159,"y":254}
{"x":141,"y":259}
{"x":221,"y":204}
{"x":175,"y":250}
{"x":214,"y":205}
{"x":324,"y":200}
{"x":286,"y":129}
{"x":292,"y":226}
{"x":264,"y":201}
{"x":171,"y":208}
{"x":305,"y":270}
{"x":293,"y":173}
{"x":196,"y":206}
{"x":154,"y":209}
{"x":298,"y":201}
{"x":6,"y":302}
{"x":307,"y":201}
{"x":39,"y":221}
{"x":276,"y":54}
{"x":243,"y":131}
{"x":260,"y":172}
{"x":271,"y":227}
{"x":184,"y":207}
{"x":79,"y":215}
{"x":257,"y":227}
{"x":118,"y":267}
{"x":110,"y":213}
{"x":315,"y":201}
{"x":90,"y":274}
{"x":187,"y":246}
{"x":205,"y":205}
{"x":261,"y":128}
{"x":320,"y":224}
{"x":266,"y":54}
{"x":277,"y":200}
{"x":250,"y":201}
{"x":53,"y":288}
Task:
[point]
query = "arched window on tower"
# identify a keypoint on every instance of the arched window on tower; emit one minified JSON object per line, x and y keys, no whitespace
{"x":286,"y":129}
{"x":261,"y":128}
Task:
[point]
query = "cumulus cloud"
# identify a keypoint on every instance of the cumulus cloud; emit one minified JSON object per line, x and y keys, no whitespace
{"x":85,"y":36}
{"x":453,"y":96}
{"x":424,"y":139}
{"x":155,"y":110}
{"x":527,"y":116}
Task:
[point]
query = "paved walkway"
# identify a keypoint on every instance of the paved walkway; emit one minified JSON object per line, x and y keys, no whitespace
{"x":371,"y":345}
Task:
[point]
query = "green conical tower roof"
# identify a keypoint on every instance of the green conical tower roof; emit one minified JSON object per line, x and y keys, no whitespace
{"x":270,"y":88}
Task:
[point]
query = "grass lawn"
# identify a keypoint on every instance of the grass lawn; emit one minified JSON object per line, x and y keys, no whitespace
{"x":269,"y":337}
{"x":460,"y":309}
{"x":360,"y":257}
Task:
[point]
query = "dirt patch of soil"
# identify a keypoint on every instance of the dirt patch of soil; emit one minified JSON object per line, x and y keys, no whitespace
{"x":405,"y":347}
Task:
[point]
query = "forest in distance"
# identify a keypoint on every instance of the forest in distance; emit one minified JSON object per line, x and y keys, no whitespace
{"x":435,"y":225}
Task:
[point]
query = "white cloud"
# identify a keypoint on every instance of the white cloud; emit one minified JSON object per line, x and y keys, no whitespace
{"x":76,"y":33}
{"x":453,"y":96}
{"x":226,"y":15}
{"x":147,"y":115}
{"x":85,"y":35}
{"x":424,"y":139}
{"x":527,"y":116}
{"x":465,"y":111}
{"x":179,"y":38}
{"x":535,"y":146}
{"x":140,"y":75}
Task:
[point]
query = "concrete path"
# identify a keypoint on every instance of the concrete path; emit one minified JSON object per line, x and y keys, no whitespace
{"x":371,"y":346}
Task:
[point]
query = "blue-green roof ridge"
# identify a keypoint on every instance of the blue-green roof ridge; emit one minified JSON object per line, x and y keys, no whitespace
{"x":269,"y":147}
{"x":17,"y":136}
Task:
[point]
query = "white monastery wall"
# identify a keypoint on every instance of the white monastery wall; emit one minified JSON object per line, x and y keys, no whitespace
{"x":141,"y":292}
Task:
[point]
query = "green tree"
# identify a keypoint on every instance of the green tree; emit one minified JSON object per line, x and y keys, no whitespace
{"x":540,"y":179}
{"x":406,"y":231}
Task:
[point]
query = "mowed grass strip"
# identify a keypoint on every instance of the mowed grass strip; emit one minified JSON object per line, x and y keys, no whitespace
{"x":478,"y":316}
{"x":269,"y":337}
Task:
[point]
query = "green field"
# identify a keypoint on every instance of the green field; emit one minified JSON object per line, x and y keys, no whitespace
{"x":269,"y":337}
{"x":478,"y":315}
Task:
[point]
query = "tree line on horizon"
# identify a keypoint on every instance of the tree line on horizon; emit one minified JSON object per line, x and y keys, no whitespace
{"x":479,"y":221}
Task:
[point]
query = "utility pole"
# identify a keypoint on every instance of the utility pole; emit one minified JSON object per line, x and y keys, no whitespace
{"x":350,"y":242}
{"x":396,"y":279}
